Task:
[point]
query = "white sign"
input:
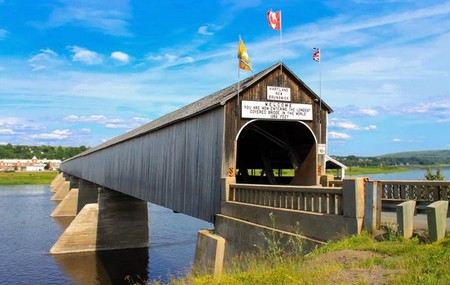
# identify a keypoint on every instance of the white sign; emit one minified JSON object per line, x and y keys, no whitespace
{"x":322,"y":148}
{"x":278,"y":93}
{"x":276,"y":110}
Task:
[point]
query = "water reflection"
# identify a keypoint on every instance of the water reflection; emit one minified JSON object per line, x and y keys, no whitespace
{"x":105,"y":267}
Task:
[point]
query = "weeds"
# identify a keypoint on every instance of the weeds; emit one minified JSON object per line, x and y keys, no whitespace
{"x":278,"y":248}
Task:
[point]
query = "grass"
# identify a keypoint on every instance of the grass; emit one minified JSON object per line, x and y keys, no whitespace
{"x":357,"y":170}
{"x":27,"y":177}
{"x":354,"y":260}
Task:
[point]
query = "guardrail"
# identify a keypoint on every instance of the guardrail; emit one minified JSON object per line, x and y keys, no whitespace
{"x":418,"y":190}
{"x":312,"y":199}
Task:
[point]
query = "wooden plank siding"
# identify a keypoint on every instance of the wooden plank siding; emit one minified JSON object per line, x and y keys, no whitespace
{"x":178,"y":167}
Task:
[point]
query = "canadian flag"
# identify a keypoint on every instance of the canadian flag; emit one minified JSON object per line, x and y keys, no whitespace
{"x":274,"y":19}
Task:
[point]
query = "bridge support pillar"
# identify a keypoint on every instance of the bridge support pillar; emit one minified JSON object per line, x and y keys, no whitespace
{"x":353,"y":201}
{"x":76,"y":199}
{"x":68,"y":206}
{"x":59,"y":179}
{"x":61,"y":191}
{"x":117,"y":221}
{"x":372,"y":206}
{"x":87,"y":194}
{"x":209,"y":253}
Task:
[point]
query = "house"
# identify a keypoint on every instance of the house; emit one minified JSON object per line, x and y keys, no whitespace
{"x":33,"y":164}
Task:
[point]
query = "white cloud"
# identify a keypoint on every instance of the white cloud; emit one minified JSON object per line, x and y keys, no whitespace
{"x":6,"y":132}
{"x":338,"y":136}
{"x":171,"y":59}
{"x":100,"y":119}
{"x":368,"y":112}
{"x":347,"y":125}
{"x":108,"y":17}
{"x":85,"y":56}
{"x":43,"y":59}
{"x":397,"y":140}
{"x":120,"y":56}
{"x":55,"y":135}
{"x":117,"y":126}
{"x":203,"y":30}
{"x":110,"y":123}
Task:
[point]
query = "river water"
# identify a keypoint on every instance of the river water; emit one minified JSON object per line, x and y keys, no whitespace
{"x":27,"y":232}
{"x":414,"y":174}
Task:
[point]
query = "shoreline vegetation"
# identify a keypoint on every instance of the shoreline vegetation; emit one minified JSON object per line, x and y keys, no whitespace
{"x":358,"y":170}
{"x":360,"y":259}
{"x":27,"y":177}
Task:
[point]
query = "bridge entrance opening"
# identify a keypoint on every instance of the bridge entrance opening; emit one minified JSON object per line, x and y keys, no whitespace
{"x":277,"y":153}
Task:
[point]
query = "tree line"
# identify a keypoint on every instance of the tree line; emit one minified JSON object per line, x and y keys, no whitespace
{"x":10,"y":151}
{"x":421,"y":158}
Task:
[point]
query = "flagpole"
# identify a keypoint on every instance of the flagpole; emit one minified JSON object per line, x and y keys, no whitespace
{"x":281,"y":49}
{"x":320,"y":97}
{"x":238,"y":85}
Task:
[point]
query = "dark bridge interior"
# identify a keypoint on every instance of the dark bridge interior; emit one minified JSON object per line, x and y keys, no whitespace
{"x":272,"y":152}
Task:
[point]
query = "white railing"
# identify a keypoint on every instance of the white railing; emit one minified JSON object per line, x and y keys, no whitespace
{"x":301,"y":198}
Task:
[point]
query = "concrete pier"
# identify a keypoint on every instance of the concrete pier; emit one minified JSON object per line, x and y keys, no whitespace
{"x":59,"y":179}
{"x":118,"y":221}
{"x":61,"y":191}
{"x":87,"y":194}
{"x":68,"y":206}
{"x":209,"y":253}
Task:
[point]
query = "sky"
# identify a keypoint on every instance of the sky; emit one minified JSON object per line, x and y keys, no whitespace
{"x":82,"y":72}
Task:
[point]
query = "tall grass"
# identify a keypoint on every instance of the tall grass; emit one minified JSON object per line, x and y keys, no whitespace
{"x":392,"y":261}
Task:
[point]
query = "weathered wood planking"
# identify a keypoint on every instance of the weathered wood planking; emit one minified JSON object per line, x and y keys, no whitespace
{"x":178,"y":167}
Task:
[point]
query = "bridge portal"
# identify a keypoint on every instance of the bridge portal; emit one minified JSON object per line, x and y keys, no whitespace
{"x":276,"y":153}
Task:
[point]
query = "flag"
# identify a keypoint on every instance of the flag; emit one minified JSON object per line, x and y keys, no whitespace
{"x":244,"y":60}
{"x":274,"y":19}
{"x":316,"y":54}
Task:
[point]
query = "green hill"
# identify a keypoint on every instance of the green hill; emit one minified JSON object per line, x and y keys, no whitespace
{"x":431,"y":154}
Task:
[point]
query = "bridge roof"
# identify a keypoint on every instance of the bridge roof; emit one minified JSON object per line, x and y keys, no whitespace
{"x":202,"y":105}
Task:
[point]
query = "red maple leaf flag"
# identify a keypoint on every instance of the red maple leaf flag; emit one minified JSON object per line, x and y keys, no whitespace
{"x":316,"y":54}
{"x":274,"y":19}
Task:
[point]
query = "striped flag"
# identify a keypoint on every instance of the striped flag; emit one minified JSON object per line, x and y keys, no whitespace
{"x":244,"y":59}
{"x":316,"y":54}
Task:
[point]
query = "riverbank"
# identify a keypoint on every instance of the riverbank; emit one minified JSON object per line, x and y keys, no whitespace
{"x":354,"y":260}
{"x":358,"y":170}
{"x":27,"y":177}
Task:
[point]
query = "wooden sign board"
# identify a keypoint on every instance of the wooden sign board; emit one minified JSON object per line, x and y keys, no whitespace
{"x":276,"y":110}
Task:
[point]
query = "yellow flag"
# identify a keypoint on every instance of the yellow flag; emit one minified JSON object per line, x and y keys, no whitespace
{"x":244,"y":60}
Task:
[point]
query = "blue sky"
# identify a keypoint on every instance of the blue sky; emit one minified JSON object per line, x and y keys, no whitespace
{"x":81,"y":72}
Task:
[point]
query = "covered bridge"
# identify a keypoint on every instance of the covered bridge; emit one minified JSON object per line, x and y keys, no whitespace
{"x":267,"y":129}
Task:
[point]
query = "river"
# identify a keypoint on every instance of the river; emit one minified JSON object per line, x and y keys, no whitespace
{"x":414,"y":174}
{"x":27,"y":232}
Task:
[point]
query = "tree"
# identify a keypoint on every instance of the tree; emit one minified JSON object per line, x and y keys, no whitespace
{"x":429,"y":175}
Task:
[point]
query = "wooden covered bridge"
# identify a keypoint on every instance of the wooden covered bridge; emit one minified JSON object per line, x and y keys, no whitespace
{"x":231,"y":157}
